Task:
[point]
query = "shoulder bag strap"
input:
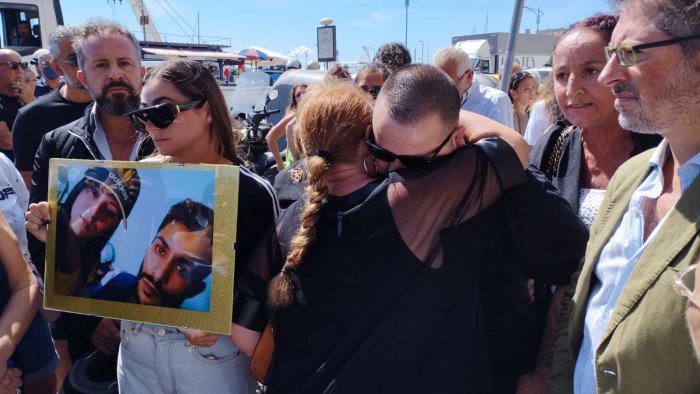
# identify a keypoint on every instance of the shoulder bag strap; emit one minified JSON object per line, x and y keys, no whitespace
{"x":552,"y":167}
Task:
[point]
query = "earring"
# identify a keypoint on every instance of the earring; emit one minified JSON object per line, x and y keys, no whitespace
{"x":367,"y":171}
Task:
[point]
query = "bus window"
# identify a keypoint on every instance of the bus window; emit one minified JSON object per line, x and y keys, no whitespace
{"x":20,"y":28}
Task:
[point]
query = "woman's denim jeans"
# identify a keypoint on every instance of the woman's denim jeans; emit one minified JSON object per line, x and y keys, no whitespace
{"x":158,"y":359}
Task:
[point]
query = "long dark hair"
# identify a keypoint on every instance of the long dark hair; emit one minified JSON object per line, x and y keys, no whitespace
{"x":91,"y":250}
{"x":293,"y":103}
{"x":194,"y":81}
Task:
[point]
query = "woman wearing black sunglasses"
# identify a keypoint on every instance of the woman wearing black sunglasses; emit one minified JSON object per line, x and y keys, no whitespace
{"x":185,"y":114}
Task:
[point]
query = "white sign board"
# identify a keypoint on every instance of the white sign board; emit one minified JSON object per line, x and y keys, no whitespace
{"x":325,"y":37}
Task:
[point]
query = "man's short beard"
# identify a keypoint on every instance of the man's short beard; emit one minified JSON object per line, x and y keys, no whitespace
{"x":75,"y":84}
{"x":673,"y":103}
{"x":633,"y":120}
{"x":166,"y":300}
{"x":118,"y":104}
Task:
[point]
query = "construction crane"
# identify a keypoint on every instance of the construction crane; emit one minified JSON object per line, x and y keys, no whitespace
{"x":150,"y":33}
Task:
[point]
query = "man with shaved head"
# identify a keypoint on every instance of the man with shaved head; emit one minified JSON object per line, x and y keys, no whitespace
{"x":529,"y":232}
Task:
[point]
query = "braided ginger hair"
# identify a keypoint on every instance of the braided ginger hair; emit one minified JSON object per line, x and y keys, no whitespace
{"x":331,"y":123}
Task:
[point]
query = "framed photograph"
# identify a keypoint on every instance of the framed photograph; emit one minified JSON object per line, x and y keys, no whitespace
{"x":143,"y":241}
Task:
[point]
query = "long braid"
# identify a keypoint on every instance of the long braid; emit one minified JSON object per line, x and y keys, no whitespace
{"x":331,"y":122}
{"x":281,"y":290}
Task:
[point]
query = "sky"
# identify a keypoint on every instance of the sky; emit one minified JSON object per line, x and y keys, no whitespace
{"x":286,"y":25}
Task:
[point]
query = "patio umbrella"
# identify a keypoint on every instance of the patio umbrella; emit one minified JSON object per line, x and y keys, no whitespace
{"x":253,"y":53}
{"x":265,"y":56}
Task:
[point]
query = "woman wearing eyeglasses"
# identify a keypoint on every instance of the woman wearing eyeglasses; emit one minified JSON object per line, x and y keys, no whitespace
{"x":185,"y":114}
{"x":286,"y":127}
{"x":522,"y":93}
{"x":580,"y":159}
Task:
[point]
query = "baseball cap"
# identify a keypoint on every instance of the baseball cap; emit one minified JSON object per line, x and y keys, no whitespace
{"x":123,"y":183}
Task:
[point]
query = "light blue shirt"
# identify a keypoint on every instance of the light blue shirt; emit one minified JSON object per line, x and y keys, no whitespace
{"x":489,"y":102}
{"x":617,"y":260}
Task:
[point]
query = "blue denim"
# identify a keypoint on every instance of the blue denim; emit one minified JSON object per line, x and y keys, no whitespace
{"x":35,"y":354}
{"x":159,"y":359}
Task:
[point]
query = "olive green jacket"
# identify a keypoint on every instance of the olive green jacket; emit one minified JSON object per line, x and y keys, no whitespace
{"x":646,"y":347}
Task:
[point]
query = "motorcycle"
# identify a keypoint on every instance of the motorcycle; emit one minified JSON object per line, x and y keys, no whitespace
{"x":253,"y":147}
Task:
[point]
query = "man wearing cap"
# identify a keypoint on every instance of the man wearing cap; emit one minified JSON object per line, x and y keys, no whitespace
{"x":48,"y":78}
{"x":13,"y":94}
{"x":60,"y":107}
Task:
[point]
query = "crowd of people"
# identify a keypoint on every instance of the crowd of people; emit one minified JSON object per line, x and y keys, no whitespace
{"x":425,"y":233}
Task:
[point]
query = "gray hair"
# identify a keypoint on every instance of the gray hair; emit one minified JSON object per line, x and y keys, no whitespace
{"x":677,"y":18}
{"x":452,"y":55}
{"x":65,"y":32}
{"x":680,"y":18}
{"x":102,"y":28}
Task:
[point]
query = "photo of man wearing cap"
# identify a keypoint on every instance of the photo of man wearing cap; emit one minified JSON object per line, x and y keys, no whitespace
{"x":87,"y":217}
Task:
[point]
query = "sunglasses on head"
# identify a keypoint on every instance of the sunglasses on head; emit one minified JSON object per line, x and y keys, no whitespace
{"x":407,"y":160}
{"x":161,"y":115}
{"x":517,"y":77}
{"x":373,"y":91}
{"x":15,"y":65}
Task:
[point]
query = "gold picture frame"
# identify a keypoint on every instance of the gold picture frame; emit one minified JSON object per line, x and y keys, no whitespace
{"x":105,"y":214}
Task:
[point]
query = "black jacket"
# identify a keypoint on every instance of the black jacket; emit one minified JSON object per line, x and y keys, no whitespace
{"x":567,"y":172}
{"x":71,"y":141}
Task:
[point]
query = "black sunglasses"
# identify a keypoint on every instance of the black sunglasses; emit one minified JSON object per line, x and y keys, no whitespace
{"x":161,"y":115}
{"x":408,"y":161}
{"x":15,"y":65}
{"x":373,"y":91}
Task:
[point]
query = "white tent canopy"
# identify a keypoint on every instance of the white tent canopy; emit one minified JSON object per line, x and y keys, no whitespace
{"x":170,"y":53}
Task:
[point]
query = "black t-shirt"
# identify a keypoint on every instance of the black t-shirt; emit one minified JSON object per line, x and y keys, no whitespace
{"x":41,"y":89}
{"x":8,"y":111}
{"x":38,"y":118}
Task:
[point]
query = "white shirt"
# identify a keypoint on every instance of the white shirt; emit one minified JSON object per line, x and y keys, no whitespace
{"x":490,"y":102}
{"x":101,"y":139}
{"x":538,"y":124}
{"x":14,"y":199}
